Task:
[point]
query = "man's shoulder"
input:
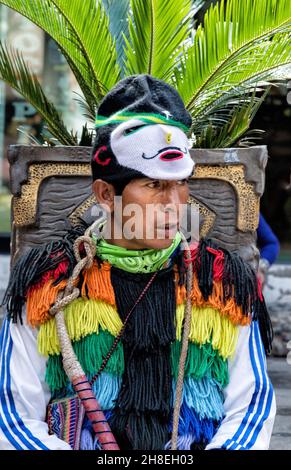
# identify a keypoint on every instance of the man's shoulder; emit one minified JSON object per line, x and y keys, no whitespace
{"x":49,"y":264}
{"x":223,"y":279}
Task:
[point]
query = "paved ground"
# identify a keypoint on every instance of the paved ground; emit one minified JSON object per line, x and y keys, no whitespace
{"x":280,"y":374}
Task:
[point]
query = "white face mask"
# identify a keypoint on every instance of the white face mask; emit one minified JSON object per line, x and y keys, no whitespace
{"x":156,"y":150}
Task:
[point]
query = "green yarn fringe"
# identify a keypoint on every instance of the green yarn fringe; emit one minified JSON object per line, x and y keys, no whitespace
{"x":201,"y":361}
{"x":91,"y":351}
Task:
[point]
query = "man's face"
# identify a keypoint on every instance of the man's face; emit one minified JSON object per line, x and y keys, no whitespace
{"x":150,"y":211}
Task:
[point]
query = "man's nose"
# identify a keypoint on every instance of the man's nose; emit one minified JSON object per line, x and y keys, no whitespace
{"x":171,"y":196}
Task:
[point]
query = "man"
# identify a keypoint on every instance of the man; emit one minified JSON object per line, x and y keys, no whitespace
{"x":126,"y":321}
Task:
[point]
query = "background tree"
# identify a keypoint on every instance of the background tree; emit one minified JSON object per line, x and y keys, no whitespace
{"x":222,"y":67}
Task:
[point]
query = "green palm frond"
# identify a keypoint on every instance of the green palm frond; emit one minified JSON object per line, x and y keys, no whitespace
{"x":87,"y":112}
{"x":89,"y":33}
{"x":267,"y":63}
{"x":16,"y":73}
{"x":81,"y":29}
{"x":45,"y":15}
{"x":241,"y":43}
{"x":224,"y":128}
{"x":242,"y":47}
{"x":157,"y":31}
{"x":84,"y":81}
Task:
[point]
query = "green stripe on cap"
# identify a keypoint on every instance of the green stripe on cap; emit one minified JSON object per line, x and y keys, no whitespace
{"x":148,"y":118}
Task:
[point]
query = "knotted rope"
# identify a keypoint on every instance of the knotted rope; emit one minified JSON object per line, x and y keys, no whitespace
{"x":71,"y":364}
{"x":184,"y":348}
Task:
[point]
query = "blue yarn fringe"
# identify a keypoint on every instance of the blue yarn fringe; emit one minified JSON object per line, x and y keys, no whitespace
{"x":105,"y":388}
{"x":204,"y":396}
{"x":183,"y":442}
{"x":193,"y":429}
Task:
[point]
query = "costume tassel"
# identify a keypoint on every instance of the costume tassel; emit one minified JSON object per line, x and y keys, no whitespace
{"x":201,"y":361}
{"x":208,"y":325}
{"x":83,"y":317}
{"x":203,"y":396}
{"x":29,"y":269}
{"x":40,"y":300}
{"x":201,"y":430}
{"x":140,"y":419}
{"x":90,"y":351}
{"x":97,"y":283}
{"x":236,"y":286}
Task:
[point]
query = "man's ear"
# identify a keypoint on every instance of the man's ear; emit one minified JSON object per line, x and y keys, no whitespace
{"x":104,"y":193}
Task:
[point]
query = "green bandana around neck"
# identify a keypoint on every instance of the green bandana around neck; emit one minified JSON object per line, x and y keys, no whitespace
{"x":136,"y":261}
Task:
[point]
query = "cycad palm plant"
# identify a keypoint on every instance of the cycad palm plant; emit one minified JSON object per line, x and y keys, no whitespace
{"x":222,"y":69}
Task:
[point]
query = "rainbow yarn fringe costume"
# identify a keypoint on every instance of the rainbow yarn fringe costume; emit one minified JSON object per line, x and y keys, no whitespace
{"x":137,"y":388}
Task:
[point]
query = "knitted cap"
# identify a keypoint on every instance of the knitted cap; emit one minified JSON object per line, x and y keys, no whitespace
{"x":141,"y":130}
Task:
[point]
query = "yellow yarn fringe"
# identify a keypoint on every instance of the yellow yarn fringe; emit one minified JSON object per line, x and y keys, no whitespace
{"x":97,"y":286}
{"x":40,"y":300}
{"x":208,"y":325}
{"x":97,"y":283}
{"x":83,"y":317}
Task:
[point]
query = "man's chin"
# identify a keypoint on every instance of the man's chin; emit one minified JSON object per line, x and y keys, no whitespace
{"x":159,"y":244}
{"x":159,"y":241}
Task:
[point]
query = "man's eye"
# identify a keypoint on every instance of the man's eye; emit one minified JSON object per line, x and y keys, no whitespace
{"x":131,"y":130}
{"x":154,"y":184}
{"x":184,"y":181}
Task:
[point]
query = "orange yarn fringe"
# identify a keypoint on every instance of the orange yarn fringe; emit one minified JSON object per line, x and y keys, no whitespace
{"x":97,"y":283}
{"x":215,"y":300}
{"x":40,"y":300}
{"x":41,"y":297}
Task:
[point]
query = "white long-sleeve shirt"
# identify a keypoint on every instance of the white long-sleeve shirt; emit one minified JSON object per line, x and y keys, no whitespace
{"x":249,"y":405}
{"x":249,"y":398}
{"x":24,"y":394}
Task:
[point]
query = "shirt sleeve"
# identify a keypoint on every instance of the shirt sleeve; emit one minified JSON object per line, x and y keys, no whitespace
{"x":268,"y":243}
{"x":249,"y":404}
{"x":24,"y":394}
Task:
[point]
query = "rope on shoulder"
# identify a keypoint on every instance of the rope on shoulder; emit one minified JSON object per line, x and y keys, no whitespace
{"x":71,"y":364}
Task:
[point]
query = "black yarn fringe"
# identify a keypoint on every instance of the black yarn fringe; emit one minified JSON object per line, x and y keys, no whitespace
{"x":239,"y":281}
{"x":197,"y":446}
{"x":29,"y":268}
{"x":143,"y":407}
{"x":139,"y":432}
{"x":265,"y":324}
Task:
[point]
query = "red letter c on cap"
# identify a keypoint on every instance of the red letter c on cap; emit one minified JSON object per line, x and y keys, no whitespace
{"x":97,"y":159}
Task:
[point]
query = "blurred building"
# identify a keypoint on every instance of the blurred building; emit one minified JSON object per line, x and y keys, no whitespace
{"x":19,"y":121}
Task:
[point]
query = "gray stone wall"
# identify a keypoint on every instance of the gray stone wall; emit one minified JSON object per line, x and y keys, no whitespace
{"x":278,"y":297}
